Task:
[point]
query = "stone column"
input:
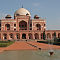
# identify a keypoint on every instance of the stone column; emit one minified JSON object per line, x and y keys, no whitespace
{"x":56,"y":34}
{"x":15,"y":36}
{"x":42,"y":36}
{"x":39,"y":36}
{"x":28,"y":25}
{"x":27,"y":36}
{"x":18,"y":26}
{"x":2,"y":36}
{"x":33,"y":36}
{"x":51,"y":36}
{"x":7,"y":36}
{"x":20,"y":36}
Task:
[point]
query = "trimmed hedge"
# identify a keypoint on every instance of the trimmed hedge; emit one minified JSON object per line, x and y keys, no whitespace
{"x":5,"y":43}
{"x":43,"y":42}
{"x":46,"y":42}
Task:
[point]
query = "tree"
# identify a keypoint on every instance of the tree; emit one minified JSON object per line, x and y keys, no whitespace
{"x":55,"y":39}
{"x":44,"y":35}
{"x":54,"y":34}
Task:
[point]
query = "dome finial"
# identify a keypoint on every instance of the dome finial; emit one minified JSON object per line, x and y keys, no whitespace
{"x":22,"y":6}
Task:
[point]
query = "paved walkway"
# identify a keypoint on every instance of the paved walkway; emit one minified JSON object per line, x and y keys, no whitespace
{"x":20,"y":46}
{"x":29,"y":46}
{"x":44,"y":46}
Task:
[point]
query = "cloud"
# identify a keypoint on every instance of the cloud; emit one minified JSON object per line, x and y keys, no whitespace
{"x":36,"y":4}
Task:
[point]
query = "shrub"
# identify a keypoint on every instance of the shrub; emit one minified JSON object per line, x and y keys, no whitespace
{"x":6,"y":43}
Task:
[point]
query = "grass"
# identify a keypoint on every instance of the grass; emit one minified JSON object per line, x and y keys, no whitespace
{"x":47,"y":42}
{"x":5,"y":43}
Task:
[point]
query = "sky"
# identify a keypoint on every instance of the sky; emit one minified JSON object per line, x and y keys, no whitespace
{"x":49,"y":9}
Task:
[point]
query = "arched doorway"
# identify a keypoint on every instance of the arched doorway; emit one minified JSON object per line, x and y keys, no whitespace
{"x":11,"y":36}
{"x":48,"y":36}
{"x":30,"y":36}
{"x":38,"y":26}
{"x":36,"y":36}
{"x":54,"y":35}
{"x":7,"y":27}
{"x":58,"y":35}
{"x":23,"y":36}
{"x":4,"y":36}
{"x":22,"y":25}
{"x":17,"y":36}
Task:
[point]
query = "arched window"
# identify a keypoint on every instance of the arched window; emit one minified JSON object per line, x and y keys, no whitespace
{"x":22,"y":25}
{"x":5,"y":36}
{"x":54,"y":35}
{"x":38,"y":26}
{"x":36,"y":36}
{"x":30,"y":36}
{"x":48,"y":35}
{"x":7,"y":27}
{"x":11,"y":36}
{"x":23,"y":36}
{"x":18,"y":36}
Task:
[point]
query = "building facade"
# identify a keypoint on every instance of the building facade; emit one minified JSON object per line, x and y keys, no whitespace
{"x":22,"y":27}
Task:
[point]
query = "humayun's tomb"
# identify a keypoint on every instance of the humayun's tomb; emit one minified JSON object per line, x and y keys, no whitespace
{"x":22,"y":27}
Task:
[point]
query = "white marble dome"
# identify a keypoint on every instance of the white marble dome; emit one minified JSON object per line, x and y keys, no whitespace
{"x":22,"y":11}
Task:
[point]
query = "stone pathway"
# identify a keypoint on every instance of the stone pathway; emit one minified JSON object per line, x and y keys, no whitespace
{"x":20,"y":46}
{"x":31,"y":45}
{"x":44,"y":46}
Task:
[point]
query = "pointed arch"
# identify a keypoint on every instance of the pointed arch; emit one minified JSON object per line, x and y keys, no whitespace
{"x":30,"y":36}
{"x":4,"y":36}
{"x":23,"y":36}
{"x":22,"y":25}
{"x":11,"y":36}
{"x":7,"y":26}
{"x":38,"y":26}
{"x":36,"y":36}
{"x":48,"y":36}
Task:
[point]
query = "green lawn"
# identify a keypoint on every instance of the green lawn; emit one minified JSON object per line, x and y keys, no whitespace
{"x":5,"y":43}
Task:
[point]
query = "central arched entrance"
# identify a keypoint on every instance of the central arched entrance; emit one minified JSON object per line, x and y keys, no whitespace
{"x":23,"y":36}
{"x":22,"y":25}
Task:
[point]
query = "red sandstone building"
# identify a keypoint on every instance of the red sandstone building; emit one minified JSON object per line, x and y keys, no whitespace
{"x":23,"y":27}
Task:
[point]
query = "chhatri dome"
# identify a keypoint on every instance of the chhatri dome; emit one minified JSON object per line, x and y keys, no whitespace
{"x":22,"y":11}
